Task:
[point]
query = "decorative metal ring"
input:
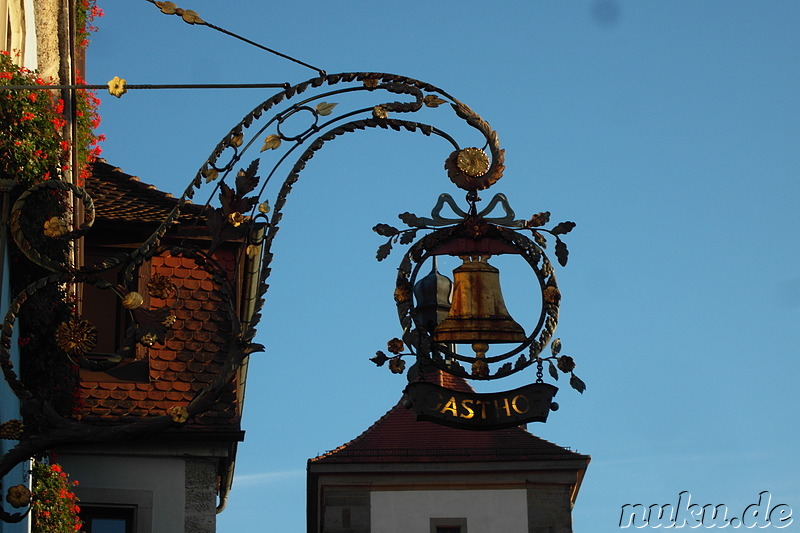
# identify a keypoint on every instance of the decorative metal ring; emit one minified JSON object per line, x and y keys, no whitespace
{"x":530,"y":252}
{"x":292,"y":112}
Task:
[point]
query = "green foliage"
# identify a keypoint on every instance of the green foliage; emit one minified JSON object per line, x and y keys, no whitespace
{"x":54,"y":505}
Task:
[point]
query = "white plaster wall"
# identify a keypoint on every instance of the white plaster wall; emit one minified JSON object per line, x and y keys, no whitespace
{"x":165,"y":476}
{"x":486,"y":511}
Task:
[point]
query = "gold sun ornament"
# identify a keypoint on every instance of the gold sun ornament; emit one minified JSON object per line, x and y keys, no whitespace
{"x":117,"y":86}
{"x":77,"y":336}
{"x":470,"y":168}
{"x":55,"y":227}
{"x":160,"y":286}
{"x":472,"y":162}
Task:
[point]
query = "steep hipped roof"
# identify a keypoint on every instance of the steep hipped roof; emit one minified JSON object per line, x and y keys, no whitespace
{"x":397,"y":437}
{"x":121,"y":197}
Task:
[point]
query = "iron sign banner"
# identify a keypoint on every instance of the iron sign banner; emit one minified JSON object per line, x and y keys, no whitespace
{"x":476,"y":411}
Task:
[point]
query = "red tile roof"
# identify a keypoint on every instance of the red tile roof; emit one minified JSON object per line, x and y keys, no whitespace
{"x":195,"y":347}
{"x":397,"y":437}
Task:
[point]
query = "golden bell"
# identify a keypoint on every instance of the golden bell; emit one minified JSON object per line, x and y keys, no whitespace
{"x":478,"y":313}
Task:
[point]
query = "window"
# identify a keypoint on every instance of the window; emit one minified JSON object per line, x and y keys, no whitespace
{"x":108,"y":519}
{"x":448,"y":525}
{"x":103,"y":308}
{"x":110,"y":510}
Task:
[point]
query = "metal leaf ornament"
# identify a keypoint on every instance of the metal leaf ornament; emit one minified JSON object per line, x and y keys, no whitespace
{"x":325,"y":108}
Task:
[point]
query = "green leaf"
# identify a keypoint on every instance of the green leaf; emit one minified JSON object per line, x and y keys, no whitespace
{"x":561,"y":252}
{"x":577,"y":383}
{"x":552,"y":369}
{"x":385,"y":230}
{"x":563,"y":228}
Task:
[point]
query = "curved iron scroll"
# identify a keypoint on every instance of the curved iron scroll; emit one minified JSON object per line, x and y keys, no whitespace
{"x":241,"y":212}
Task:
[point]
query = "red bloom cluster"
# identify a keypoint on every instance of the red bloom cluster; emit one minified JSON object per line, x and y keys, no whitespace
{"x":55,"y":506}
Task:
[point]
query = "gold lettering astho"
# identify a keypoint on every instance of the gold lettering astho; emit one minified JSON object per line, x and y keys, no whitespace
{"x":466,"y":405}
{"x":451,"y":406}
{"x":524,"y":400}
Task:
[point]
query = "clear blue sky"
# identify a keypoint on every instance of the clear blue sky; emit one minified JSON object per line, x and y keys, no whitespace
{"x":668,"y":130}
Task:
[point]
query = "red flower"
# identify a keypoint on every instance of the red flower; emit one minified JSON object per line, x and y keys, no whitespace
{"x":32,"y":97}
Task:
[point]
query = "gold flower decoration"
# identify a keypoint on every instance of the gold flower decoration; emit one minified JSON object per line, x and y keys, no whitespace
{"x":178,"y":414}
{"x":132,"y":300}
{"x":237,"y":140}
{"x":76,"y":337}
{"x":237,"y":219}
{"x":472,"y":162}
{"x":480,"y":368}
{"x":170,"y":320}
{"x":395,"y":346}
{"x":380,"y":112}
{"x":117,"y":87}
{"x":148,"y":339}
{"x":160,"y":286}
{"x":18,"y":496}
{"x":263,"y":207}
{"x":402,"y":293}
{"x":397,"y":365}
{"x":470,"y":169}
{"x":370,"y":83}
{"x":551,"y":295}
{"x":210,"y":174}
{"x":55,"y":227}
{"x":566,"y":364}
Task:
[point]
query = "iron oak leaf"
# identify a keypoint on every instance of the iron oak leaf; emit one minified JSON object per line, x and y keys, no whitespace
{"x":563,"y":228}
{"x":411,"y":220}
{"x":562,"y":254}
{"x":408,"y":236}
{"x":385,"y":230}
{"x":539,"y":219}
{"x":383,"y":251}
